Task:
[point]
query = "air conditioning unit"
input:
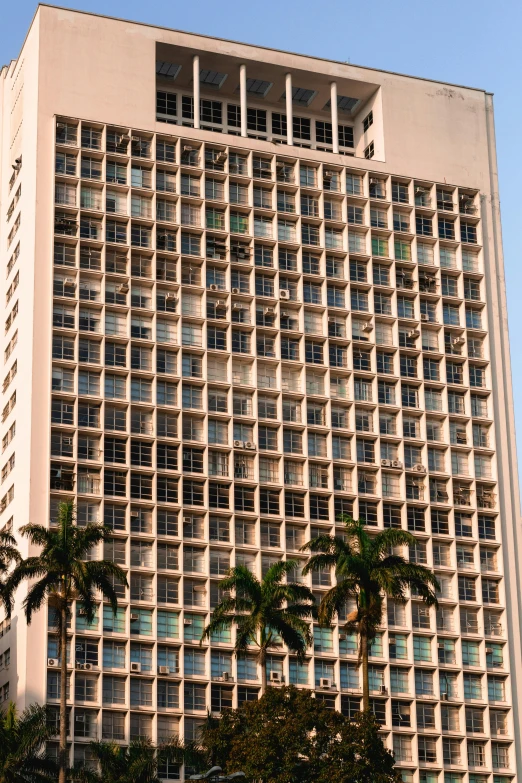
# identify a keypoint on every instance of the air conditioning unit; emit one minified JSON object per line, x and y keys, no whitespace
{"x":383,"y":690}
{"x":327,"y":174}
{"x":186,"y":621}
{"x":79,"y":718}
{"x":226,"y":676}
{"x":239,"y":444}
{"x":88,"y":667}
{"x":188,"y":148}
{"x":444,"y":697}
{"x":275,"y":677}
{"x":419,"y":468}
{"x":220,"y":303}
{"x":213,"y":287}
{"x":170,"y":298}
{"x":135,"y":667}
{"x":458,"y":341}
{"x":134,"y":618}
{"x":250,"y":445}
{"x":396,"y":463}
{"x":425,"y":317}
{"x":53,"y":662}
{"x":222,"y":155}
{"x":134,"y":514}
{"x":414,"y":333}
{"x":269,"y":311}
{"x":123,"y":288}
{"x":187,"y":520}
{"x":489,"y":650}
{"x":325,"y":682}
{"x":163,"y":670}
{"x":367,"y":327}
{"x":386,"y":463}
{"x":284,"y":294}
{"x":236,"y":291}
{"x":342,"y":637}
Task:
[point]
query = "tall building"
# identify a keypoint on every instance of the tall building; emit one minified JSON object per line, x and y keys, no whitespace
{"x":246,"y":292}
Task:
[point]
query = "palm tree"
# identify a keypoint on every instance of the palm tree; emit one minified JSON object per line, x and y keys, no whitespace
{"x":367,"y":571}
{"x":22,"y":739}
{"x":63,"y":575}
{"x":137,"y":763}
{"x":265,"y":612}
{"x":9,"y":554}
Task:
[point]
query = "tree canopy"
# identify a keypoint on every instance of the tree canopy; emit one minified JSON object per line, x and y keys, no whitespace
{"x":289,"y":736}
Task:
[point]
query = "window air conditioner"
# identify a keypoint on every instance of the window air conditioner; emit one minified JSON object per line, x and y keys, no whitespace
{"x":383,"y":690}
{"x":134,"y":618}
{"x":367,"y":327}
{"x":163,"y":670}
{"x":135,"y":667}
{"x":425,"y":317}
{"x":325,"y":682}
{"x":123,"y":288}
{"x":458,"y":341}
{"x":414,"y":333}
{"x":444,"y":697}
{"x":226,"y":676}
{"x":186,"y":621}
{"x":275,"y":677}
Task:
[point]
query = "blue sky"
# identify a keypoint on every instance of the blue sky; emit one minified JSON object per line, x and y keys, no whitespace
{"x":470,"y":43}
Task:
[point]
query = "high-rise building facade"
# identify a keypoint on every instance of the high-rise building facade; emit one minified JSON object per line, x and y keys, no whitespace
{"x":246,"y":292}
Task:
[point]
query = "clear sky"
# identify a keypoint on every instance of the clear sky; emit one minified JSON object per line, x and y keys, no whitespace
{"x":470,"y":43}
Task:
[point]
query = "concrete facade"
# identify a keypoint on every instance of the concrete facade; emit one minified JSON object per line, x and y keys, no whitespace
{"x":247,"y":291}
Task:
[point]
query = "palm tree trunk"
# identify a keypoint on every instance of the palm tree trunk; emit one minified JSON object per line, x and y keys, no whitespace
{"x":366,"y":680}
{"x":62,"y":754}
{"x":262,"y":661}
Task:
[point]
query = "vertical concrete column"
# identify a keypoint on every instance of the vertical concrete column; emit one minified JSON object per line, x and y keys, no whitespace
{"x":195,"y":69}
{"x":289,"y":110}
{"x":243,"y":99}
{"x":335,"y":120}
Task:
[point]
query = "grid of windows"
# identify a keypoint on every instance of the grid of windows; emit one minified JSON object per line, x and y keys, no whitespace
{"x":343,"y":353}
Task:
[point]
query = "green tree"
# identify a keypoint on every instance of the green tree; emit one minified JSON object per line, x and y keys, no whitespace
{"x":59,"y":575}
{"x":140,"y":762}
{"x":22,"y":741}
{"x":367,"y":570}
{"x":288,"y":735}
{"x":264,"y":612}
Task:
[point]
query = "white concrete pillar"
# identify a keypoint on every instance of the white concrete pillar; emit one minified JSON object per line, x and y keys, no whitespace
{"x":195,"y":70}
{"x":289,"y":110}
{"x":335,"y":121}
{"x":243,"y":99}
